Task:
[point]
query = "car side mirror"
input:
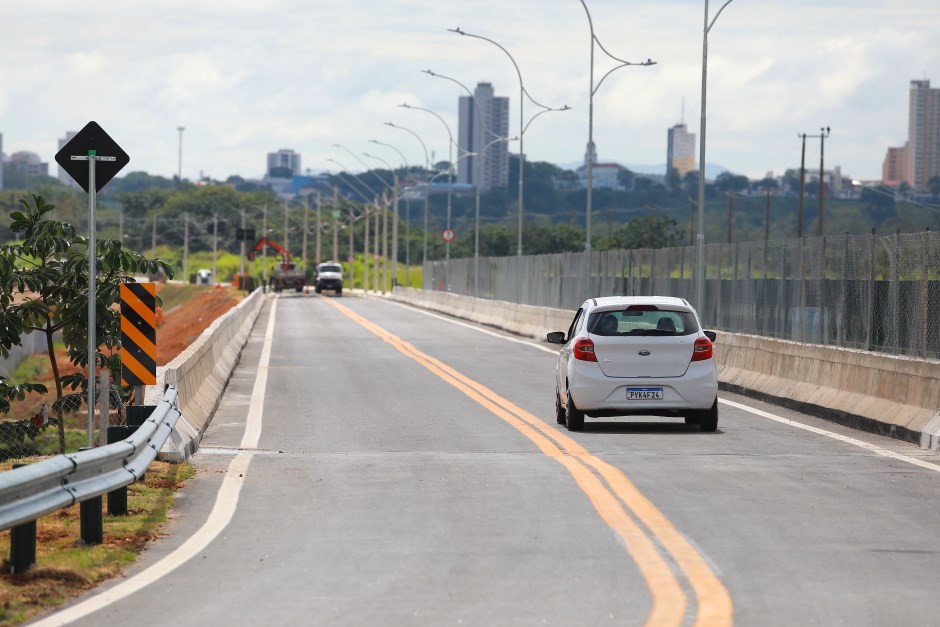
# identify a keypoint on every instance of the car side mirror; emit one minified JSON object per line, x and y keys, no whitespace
{"x":711,"y":335}
{"x":556,"y":337}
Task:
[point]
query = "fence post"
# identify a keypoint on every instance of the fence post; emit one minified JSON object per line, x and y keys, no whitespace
{"x":802,"y":314}
{"x":926,"y":291}
{"x":22,"y":544}
{"x":844,"y":316}
{"x":869,"y":336}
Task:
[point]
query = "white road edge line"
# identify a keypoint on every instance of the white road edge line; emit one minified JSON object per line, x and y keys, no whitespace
{"x":799,"y":425}
{"x":222,"y":512}
{"x":874,"y":448}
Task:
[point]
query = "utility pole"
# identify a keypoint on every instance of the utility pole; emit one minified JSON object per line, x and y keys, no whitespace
{"x":264,"y":249}
{"x":215,"y":246}
{"x":319,"y":209}
{"x":365,"y":253}
{"x":767,"y":214}
{"x":153,"y":235}
{"x":186,"y":247}
{"x":375,"y":247}
{"x":306,"y":221}
{"x":179,"y":175}
{"x":336,"y":226}
{"x":286,"y":234}
{"x":352,"y":256}
{"x":823,"y":134}
{"x":799,"y":212}
{"x":241,"y":273}
{"x":730,"y":211}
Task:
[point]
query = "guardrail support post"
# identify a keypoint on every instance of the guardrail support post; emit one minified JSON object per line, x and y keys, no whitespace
{"x":136,"y":415}
{"x":117,"y":499}
{"x":92,"y":523}
{"x":22,"y":544}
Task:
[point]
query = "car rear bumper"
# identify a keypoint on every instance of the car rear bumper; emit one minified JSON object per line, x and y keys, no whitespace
{"x":594,"y":392}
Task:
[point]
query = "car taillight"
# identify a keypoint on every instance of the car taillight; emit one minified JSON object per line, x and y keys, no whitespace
{"x":702,"y":349}
{"x":584,"y":350}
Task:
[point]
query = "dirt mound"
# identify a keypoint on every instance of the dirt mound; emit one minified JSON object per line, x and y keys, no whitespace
{"x":184,"y":323}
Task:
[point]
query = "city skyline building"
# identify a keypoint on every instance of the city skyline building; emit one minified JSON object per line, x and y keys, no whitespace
{"x":680,"y":150}
{"x":478,"y":126}
{"x":923,"y":136}
{"x":63,"y":176}
{"x":27,"y":163}
{"x":284,"y":158}
{"x":918,"y":160}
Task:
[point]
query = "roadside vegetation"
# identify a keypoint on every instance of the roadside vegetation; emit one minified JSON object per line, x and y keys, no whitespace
{"x":65,"y":567}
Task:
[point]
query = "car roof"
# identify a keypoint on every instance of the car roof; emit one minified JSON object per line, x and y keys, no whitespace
{"x":615,"y":302}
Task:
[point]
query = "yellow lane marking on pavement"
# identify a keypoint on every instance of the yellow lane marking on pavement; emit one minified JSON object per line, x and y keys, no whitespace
{"x":714,"y":606}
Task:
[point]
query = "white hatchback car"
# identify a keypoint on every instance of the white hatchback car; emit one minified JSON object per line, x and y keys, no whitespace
{"x":636,"y":355}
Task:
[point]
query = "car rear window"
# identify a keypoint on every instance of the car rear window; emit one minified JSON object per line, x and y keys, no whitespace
{"x":330,"y":269}
{"x":633,"y":322}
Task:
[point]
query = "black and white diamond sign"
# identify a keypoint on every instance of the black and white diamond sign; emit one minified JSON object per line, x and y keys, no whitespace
{"x":92,"y":140}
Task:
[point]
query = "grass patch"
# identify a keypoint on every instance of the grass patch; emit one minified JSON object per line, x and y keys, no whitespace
{"x":175,"y":294}
{"x":65,"y":568}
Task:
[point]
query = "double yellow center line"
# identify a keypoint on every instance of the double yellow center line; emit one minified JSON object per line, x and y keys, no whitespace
{"x":620,"y":504}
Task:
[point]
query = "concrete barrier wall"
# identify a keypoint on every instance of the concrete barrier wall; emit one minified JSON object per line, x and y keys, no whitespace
{"x":201,"y":372}
{"x":887,"y":394}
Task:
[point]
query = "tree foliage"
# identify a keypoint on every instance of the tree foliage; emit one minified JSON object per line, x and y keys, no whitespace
{"x":44,"y":288}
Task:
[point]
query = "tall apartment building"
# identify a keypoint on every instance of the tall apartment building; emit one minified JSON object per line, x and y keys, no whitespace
{"x":680,"y":150}
{"x":482,"y":119}
{"x":64,"y":176}
{"x":284,"y":158}
{"x":918,"y":160}
{"x":923,"y":135}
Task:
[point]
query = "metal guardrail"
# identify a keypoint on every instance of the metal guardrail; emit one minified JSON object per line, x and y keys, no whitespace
{"x":31,"y":491}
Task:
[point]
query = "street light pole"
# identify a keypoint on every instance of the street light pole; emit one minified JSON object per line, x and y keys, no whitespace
{"x":179,"y":174}
{"x":385,"y":225}
{"x":593,"y":90}
{"x":427,"y":168}
{"x":823,"y":134}
{"x":396,"y":215}
{"x":523,"y":94}
{"x":450,"y":187}
{"x":700,"y":237}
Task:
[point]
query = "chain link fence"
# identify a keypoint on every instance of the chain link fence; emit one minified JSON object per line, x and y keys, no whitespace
{"x":42,"y":425}
{"x":877,"y":293}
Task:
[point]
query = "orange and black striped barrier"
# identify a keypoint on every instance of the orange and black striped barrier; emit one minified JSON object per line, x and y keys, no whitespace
{"x":139,"y":333}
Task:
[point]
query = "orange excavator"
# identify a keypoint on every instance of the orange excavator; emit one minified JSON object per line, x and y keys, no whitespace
{"x":286,"y":275}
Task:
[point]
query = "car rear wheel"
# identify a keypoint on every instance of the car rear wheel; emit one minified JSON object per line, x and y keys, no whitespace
{"x":574,"y":418}
{"x":559,"y":410}
{"x":709,"y":418}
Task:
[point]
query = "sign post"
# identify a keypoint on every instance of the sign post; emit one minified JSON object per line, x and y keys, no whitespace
{"x":84,"y":147}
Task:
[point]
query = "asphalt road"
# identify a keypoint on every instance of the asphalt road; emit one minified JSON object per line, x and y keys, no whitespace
{"x":408,"y":470}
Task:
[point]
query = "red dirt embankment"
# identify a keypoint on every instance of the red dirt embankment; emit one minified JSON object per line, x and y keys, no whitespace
{"x":183,"y":324}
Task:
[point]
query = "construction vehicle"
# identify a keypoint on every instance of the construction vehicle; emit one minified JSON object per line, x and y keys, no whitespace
{"x":286,"y":275}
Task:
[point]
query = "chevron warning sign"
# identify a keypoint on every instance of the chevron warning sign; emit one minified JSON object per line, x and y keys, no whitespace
{"x":139,"y":333}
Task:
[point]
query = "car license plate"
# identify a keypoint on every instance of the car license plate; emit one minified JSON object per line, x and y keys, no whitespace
{"x":644,"y":394}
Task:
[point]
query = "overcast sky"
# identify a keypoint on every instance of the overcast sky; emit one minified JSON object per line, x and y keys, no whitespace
{"x":247,"y":77}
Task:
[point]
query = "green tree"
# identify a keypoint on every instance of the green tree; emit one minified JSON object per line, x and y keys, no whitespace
{"x":729,"y":182}
{"x":44,"y":288}
{"x":933,"y":184}
{"x":645,"y":232}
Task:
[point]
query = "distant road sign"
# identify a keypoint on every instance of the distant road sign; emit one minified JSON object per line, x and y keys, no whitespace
{"x":244,"y":235}
{"x":92,"y":137}
{"x":448,"y":235}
